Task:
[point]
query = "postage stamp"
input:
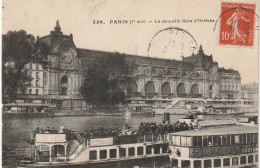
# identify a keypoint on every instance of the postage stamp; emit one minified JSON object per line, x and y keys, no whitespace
{"x":237,"y":24}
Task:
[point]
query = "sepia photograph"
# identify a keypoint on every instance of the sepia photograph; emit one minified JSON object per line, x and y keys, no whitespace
{"x":130,"y":84}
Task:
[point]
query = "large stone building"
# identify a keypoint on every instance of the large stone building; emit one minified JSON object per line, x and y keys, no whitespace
{"x":194,"y":76}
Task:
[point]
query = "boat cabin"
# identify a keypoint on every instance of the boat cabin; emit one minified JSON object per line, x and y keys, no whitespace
{"x":214,"y":147}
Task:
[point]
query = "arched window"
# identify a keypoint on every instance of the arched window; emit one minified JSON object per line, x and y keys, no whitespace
{"x":149,"y":89}
{"x":166,"y":89}
{"x":195,"y":90}
{"x":64,"y":80}
{"x":181,"y":91}
{"x":132,"y":88}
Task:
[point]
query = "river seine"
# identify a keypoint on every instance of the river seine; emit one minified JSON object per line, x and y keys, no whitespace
{"x":16,"y":132}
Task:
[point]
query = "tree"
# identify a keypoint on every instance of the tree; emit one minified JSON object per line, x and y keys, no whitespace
{"x":103,"y":81}
{"x":18,"y":49}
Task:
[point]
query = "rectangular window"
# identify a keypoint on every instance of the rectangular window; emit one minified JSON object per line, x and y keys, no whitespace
{"x":37,"y":74}
{"x":195,"y":141}
{"x":235,"y":161}
{"x":197,"y":163}
{"x":173,"y":140}
{"x":122,"y":152}
{"x":112,"y":153}
{"x":205,"y":141}
{"x":174,"y":162}
{"x":178,"y":142}
{"x":30,"y":91}
{"x":243,"y":160}
{"x":164,"y":148}
{"x":207,"y":163}
{"x":37,"y":66}
{"x":140,"y":150}
{"x":131,"y":151}
{"x":249,"y":138}
{"x":37,"y":83}
{"x":234,"y":139}
{"x":185,"y":163}
{"x":210,"y":140}
{"x":156,"y":149}
{"x":242,"y":138}
{"x":226,"y":161}
{"x":30,"y":66}
{"x":92,"y":155}
{"x":199,"y":141}
{"x":226,"y":140}
{"x":256,"y":158}
{"x":148,"y":150}
{"x":250,"y":159}
{"x":217,"y":162}
{"x":103,"y":154}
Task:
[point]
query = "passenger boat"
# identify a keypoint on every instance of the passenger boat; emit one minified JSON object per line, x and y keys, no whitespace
{"x":139,"y":109}
{"x":218,"y":146}
{"x":71,"y":149}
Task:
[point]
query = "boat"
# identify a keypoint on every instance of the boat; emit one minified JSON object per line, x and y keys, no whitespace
{"x":70,"y":148}
{"x":139,"y":109}
{"x":223,"y":145}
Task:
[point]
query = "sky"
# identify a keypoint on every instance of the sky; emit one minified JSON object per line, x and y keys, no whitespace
{"x":38,"y":17}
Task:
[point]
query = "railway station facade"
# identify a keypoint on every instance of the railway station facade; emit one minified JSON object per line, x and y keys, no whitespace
{"x":197,"y":75}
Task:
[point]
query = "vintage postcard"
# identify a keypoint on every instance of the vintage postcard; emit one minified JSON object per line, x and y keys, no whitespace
{"x":130,"y":84}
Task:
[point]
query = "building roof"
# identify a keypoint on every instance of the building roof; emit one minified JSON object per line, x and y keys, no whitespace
{"x":226,"y":130}
{"x":92,"y":54}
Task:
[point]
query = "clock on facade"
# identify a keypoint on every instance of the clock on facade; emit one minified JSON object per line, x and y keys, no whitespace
{"x":66,"y":55}
{"x":213,"y":69}
{"x":172,"y":43}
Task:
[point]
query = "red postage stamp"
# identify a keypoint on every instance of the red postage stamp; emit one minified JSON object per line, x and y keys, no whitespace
{"x":237,"y":24}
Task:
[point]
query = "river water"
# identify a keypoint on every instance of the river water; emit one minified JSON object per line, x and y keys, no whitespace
{"x":17,"y":131}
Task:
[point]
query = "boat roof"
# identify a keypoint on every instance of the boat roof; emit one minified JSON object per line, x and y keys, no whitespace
{"x":206,"y":123}
{"x":227,"y":130}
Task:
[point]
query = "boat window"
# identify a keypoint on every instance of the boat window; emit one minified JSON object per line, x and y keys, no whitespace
{"x":174,"y":162}
{"x":178,"y":140}
{"x":243,"y":160}
{"x":207,"y":163}
{"x":164,"y":148}
{"x":256,"y":158}
{"x":255,"y":138}
{"x":185,"y":163}
{"x":92,"y":155}
{"x":156,"y":149}
{"x":234,"y":139}
{"x":205,"y":141}
{"x":199,"y":141}
{"x":250,"y":158}
{"x":103,"y":154}
{"x":235,"y":161}
{"x":112,"y":153}
{"x":216,"y":140}
{"x":226,"y":140}
{"x":197,"y":164}
{"x":242,"y":138}
{"x":148,"y":150}
{"x":131,"y":151}
{"x":173,"y":140}
{"x":226,"y":161}
{"x":186,"y":141}
{"x":217,"y":162}
{"x":195,"y":141}
{"x":249,"y":138}
{"x":122,"y":152}
{"x":210,"y":141}
{"x":140,"y":150}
